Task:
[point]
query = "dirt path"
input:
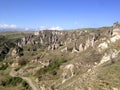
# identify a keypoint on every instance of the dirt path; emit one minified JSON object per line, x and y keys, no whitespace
{"x":29,"y":81}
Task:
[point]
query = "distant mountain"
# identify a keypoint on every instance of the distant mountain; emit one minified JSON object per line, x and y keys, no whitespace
{"x":15,"y":29}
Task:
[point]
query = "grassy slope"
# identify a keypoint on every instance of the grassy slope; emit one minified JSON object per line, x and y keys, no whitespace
{"x":107,"y":75}
{"x":9,"y":38}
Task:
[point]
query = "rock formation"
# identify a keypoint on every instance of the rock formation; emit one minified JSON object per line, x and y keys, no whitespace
{"x":68,"y":60}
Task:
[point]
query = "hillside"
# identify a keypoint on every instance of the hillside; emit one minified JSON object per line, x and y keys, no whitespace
{"x":85,"y":59}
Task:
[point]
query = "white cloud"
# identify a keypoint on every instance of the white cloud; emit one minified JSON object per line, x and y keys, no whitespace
{"x":42,"y":28}
{"x":56,"y":28}
{"x":26,"y":28}
{"x":8,"y":26}
{"x":51,"y":28}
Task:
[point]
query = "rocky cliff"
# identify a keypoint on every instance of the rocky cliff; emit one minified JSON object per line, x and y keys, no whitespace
{"x":86,"y":59}
{"x":76,"y":41}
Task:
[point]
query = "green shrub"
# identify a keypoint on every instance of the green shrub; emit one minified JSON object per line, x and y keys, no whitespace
{"x":3,"y":83}
{"x":54,"y":66}
{"x":4,"y":67}
{"x":18,"y":68}
{"x":22,"y":62}
{"x":14,"y":81}
{"x":2,"y":57}
{"x":11,"y":81}
{"x":51,"y":68}
{"x":25,"y":85}
{"x":20,"y":51}
{"x":5,"y":45}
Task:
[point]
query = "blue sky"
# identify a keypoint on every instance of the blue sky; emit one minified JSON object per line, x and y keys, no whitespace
{"x":67,"y":14}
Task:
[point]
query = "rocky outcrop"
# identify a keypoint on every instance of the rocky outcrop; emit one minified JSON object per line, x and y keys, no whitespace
{"x":68,"y":72}
{"x":116,"y":25}
{"x":14,"y":53}
{"x":109,"y":57}
{"x":84,"y":50}
{"x":102,"y":46}
{"x":75,"y":41}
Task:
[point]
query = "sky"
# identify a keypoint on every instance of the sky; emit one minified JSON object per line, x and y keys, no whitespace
{"x":67,"y":14}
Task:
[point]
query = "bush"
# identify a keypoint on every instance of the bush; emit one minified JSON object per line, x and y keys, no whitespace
{"x":20,"y":51}
{"x":14,"y":80}
{"x":11,"y":81}
{"x":54,"y":66}
{"x":4,"y":67}
{"x":22,"y":62}
{"x":6,"y":44}
{"x":2,"y":57}
{"x":3,"y":83}
{"x":18,"y":68}
{"x":25,"y":85}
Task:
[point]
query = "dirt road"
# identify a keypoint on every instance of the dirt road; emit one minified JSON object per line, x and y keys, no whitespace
{"x":28,"y":80}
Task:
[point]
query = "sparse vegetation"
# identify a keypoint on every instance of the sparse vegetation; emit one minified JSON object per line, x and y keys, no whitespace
{"x":14,"y":81}
{"x":54,"y":66}
{"x":25,"y":85}
{"x":41,"y":60}
{"x":22,"y":62}
{"x":16,"y":69}
{"x":11,"y":81}
{"x":3,"y":66}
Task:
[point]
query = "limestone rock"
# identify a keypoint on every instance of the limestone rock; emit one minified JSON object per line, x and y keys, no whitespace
{"x":81,"y":47}
{"x":102,"y":46}
{"x":75,"y":50}
{"x":14,"y":64}
{"x":68,"y":72}
{"x":64,"y":49}
{"x":14,"y":53}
